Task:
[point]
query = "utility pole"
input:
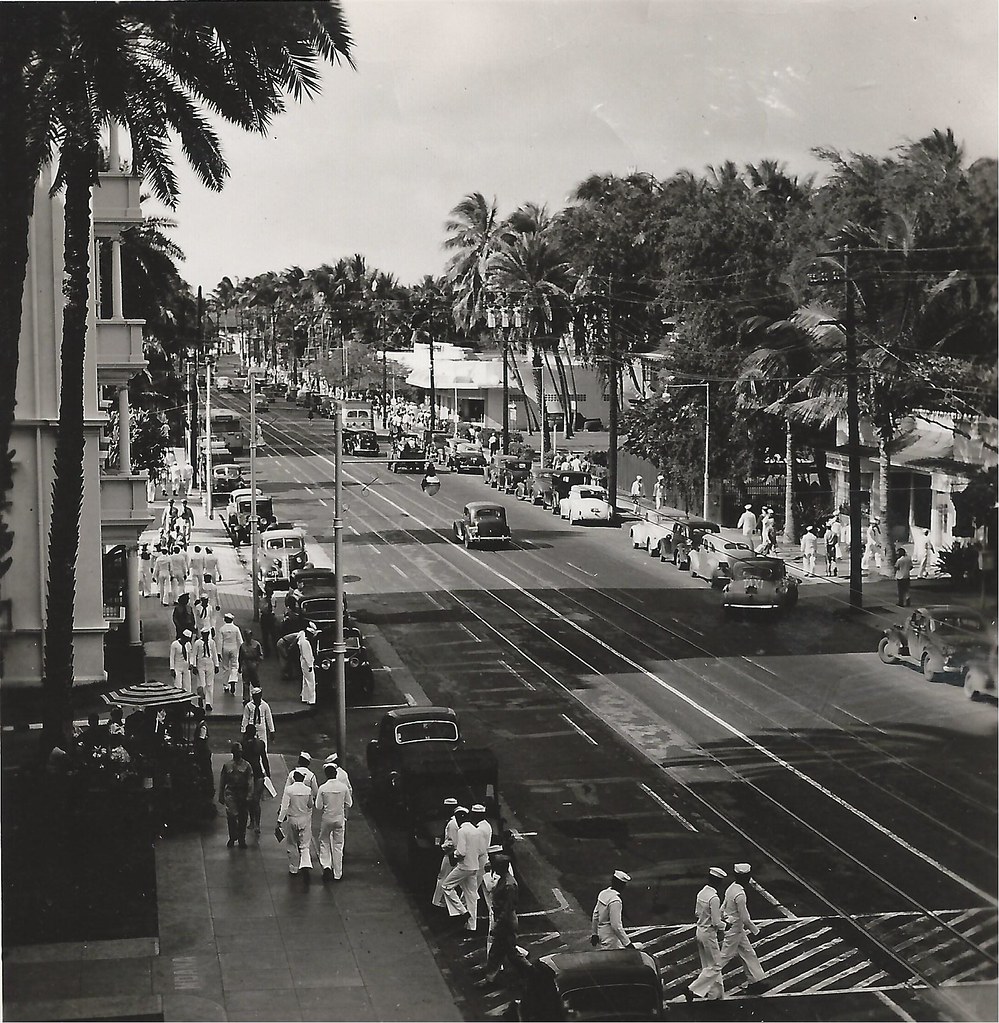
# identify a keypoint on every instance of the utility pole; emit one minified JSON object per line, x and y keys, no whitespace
{"x":385,"y":385}
{"x":707,"y":446}
{"x":433,"y":382}
{"x":339,"y":646}
{"x":254,"y":567}
{"x":853,"y":443}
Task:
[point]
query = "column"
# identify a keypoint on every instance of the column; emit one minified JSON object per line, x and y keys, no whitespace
{"x":114,"y":156}
{"x":124,"y":432}
{"x":132,"y":598}
{"x":116,"y":294}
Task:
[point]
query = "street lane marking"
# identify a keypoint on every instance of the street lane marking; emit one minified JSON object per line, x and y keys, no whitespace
{"x":866,"y":724}
{"x":709,"y":714}
{"x":433,"y":601}
{"x":592,"y":575}
{"x":762,"y":667}
{"x":397,"y":569}
{"x":669,"y":809}
{"x":465,"y":628}
{"x":517,"y":675}
{"x":771,"y":899}
{"x":894,"y":1006}
{"x":309,"y":490}
{"x":410,"y":699}
{"x":588,"y":738}
{"x":353,"y":530}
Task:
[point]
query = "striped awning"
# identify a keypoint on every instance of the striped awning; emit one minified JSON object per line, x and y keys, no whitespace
{"x":147,"y":694}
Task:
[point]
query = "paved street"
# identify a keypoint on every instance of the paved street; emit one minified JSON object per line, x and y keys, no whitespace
{"x":637,"y":728}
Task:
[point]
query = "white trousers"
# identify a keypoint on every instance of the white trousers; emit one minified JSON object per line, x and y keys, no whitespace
{"x":331,"y":835}
{"x":145,"y":577}
{"x":298,"y":835}
{"x":461,"y":894}
{"x":708,"y":983}
{"x":229,"y":665}
{"x":183,"y":679}
{"x":438,"y":899}
{"x":871,"y":552}
{"x":308,"y":683}
{"x":607,"y":937}
{"x":737,"y":943}
{"x":809,"y":563}
{"x":165,"y":587}
{"x":206,"y":678}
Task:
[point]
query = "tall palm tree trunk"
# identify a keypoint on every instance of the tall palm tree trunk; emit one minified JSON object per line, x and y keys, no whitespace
{"x":884,"y":471}
{"x":529,"y":415}
{"x":790,"y":533}
{"x":67,"y":483}
{"x":539,"y":388}
{"x":568,"y":404}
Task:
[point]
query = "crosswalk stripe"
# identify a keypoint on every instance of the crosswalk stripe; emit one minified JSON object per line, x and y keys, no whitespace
{"x":828,"y":964}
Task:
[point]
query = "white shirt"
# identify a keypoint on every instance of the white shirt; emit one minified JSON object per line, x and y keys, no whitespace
{"x":334,"y":798}
{"x":305,"y":651}
{"x":205,"y":652}
{"x":809,"y":543}
{"x":197,"y":565}
{"x":231,"y":637}
{"x":735,"y":911}
{"x":747,"y":523}
{"x":180,"y":662}
{"x":297,"y":802}
{"x":485,"y":830}
{"x":637,"y":488}
{"x":212,"y":566}
{"x":466,"y":846}
{"x":606,"y":919}
{"x":264,"y":725}
{"x":310,"y":780}
{"x":707,"y":909}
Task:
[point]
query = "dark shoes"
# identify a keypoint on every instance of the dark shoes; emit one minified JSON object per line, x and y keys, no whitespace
{"x":306,"y":872}
{"x":230,"y":843}
{"x":327,"y":874}
{"x":241,"y":843}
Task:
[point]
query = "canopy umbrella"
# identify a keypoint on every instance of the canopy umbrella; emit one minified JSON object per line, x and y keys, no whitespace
{"x":148,"y":694}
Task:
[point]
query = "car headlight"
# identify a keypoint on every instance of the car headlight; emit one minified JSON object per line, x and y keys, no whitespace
{"x":326,"y":665}
{"x":354,"y":662}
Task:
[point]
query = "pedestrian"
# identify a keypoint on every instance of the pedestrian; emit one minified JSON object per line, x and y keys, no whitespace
{"x":255,"y":754}
{"x":268,"y":623}
{"x":460,"y":887}
{"x":485,"y":830}
{"x":637,"y":495}
{"x":206,"y":659}
{"x":235,"y":786}
{"x":501,"y":946}
{"x":607,"y":930}
{"x":903,"y":576}
{"x":145,"y":571}
{"x":187,"y":476}
{"x":230,"y":640}
{"x":212,"y":573}
{"x":204,"y":616}
{"x":197,"y":562}
{"x":737,"y":923}
{"x":161,"y":569}
{"x":178,"y":572}
{"x":181,"y":656}
{"x":184,"y":619}
{"x":248,"y":660}
{"x":709,"y":927}
{"x":176,"y":475}
{"x":832,"y":539}
{"x":494,"y":443}
{"x":307,"y":660}
{"x":169,"y":512}
{"x":333,"y":801}
{"x":448,"y":840}
{"x":872,"y":546}
{"x":809,"y":550}
{"x":296,"y":813}
{"x":768,"y":533}
{"x":186,"y":520}
{"x":747,"y":521}
{"x":489,"y":881}
{"x":151,"y":487}
{"x":258,"y":713}
{"x":926,"y":555}
{"x":304,"y":767}
{"x":659,"y":491}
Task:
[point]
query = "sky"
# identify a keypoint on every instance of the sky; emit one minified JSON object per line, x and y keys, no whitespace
{"x":523,"y":99}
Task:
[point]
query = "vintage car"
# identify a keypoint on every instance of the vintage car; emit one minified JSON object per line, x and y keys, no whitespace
{"x":310,"y":579}
{"x":262,"y":403}
{"x":943,"y":639}
{"x":418,"y":760}
{"x":536,"y":488}
{"x":465,"y":456}
{"x":407,"y":454}
{"x":505,"y":471}
{"x":600,"y":984}
{"x":226,"y":479}
{"x":655,"y":526}
{"x":290,"y":393}
{"x":482,"y":522}
{"x":357,"y":674}
{"x":361,"y":442}
{"x":586,"y":504}
{"x":237,"y":515}
{"x":303,"y":396}
{"x":286,"y":546}
{"x":980,"y":675}
{"x":760,"y":583}
{"x":677,"y":542}
{"x":711,"y":558}
{"x":562,"y":483}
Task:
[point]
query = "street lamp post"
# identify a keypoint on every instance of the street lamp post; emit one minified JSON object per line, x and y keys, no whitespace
{"x":254,"y":568}
{"x":339,"y":646}
{"x":504,"y":324}
{"x":707,"y":440}
{"x":433,"y":385}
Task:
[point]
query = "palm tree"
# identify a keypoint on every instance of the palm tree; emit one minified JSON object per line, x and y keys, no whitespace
{"x":472,"y":230}
{"x":149,"y":69}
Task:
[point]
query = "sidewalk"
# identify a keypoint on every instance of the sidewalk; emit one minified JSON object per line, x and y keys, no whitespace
{"x":239,"y":939}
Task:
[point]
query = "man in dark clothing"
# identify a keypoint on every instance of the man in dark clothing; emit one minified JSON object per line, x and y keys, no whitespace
{"x":235,"y":787}
{"x":255,"y":753}
{"x":183,"y":616}
{"x":250,"y":656}
{"x":503,"y":947}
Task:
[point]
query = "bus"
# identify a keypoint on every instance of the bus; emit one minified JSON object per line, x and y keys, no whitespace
{"x":227,"y":426}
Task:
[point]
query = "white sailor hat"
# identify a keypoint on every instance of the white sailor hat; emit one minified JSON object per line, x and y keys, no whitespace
{"x":742,"y":868}
{"x":229,"y":616}
{"x":620,"y":875}
{"x":255,"y":690}
{"x":478,"y":808}
{"x":307,"y":757}
{"x":461,"y":809}
{"x":333,"y":758}
{"x":188,"y":633}
{"x":450,"y":801}
{"x":749,"y":507}
{"x":717,"y":872}
{"x":495,"y":849}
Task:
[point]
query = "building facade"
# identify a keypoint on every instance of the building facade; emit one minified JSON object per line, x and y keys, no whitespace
{"x":114,"y":509}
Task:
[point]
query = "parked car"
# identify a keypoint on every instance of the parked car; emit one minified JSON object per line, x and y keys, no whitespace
{"x":286,"y":546}
{"x":482,"y":522}
{"x":262,"y":403}
{"x":361,"y":442}
{"x":226,"y":479}
{"x":407,"y":454}
{"x":586,"y":504}
{"x":465,"y":456}
{"x":223,"y":383}
{"x":760,"y":583}
{"x":536,"y":488}
{"x":980,"y":675}
{"x":302,"y":396}
{"x":290,"y":393}
{"x":647,"y":532}
{"x":600,"y":984}
{"x":711,"y":558}
{"x":237,"y":515}
{"x":675,"y":543}
{"x":562,"y":483}
{"x":943,"y":639}
{"x":403,"y":728}
{"x":501,"y":468}
{"x":358,"y":677}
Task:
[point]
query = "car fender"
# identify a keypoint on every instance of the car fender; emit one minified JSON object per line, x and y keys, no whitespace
{"x":893,"y":632}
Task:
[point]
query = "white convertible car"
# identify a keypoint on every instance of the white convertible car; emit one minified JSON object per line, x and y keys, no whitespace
{"x":585,"y":504}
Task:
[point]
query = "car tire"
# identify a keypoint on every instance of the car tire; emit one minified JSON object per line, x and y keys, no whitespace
{"x":970,"y":690}
{"x":928,"y":673}
{"x":888,"y":650}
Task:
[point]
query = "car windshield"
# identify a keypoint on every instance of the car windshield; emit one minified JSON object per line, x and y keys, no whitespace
{"x":319,"y":606}
{"x":593,"y":495}
{"x":611,"y":1002}
{"x":955,"y":624}
{"x":424,"y":731}
{"x":468,"y":449}
{"x":766,"y":570}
